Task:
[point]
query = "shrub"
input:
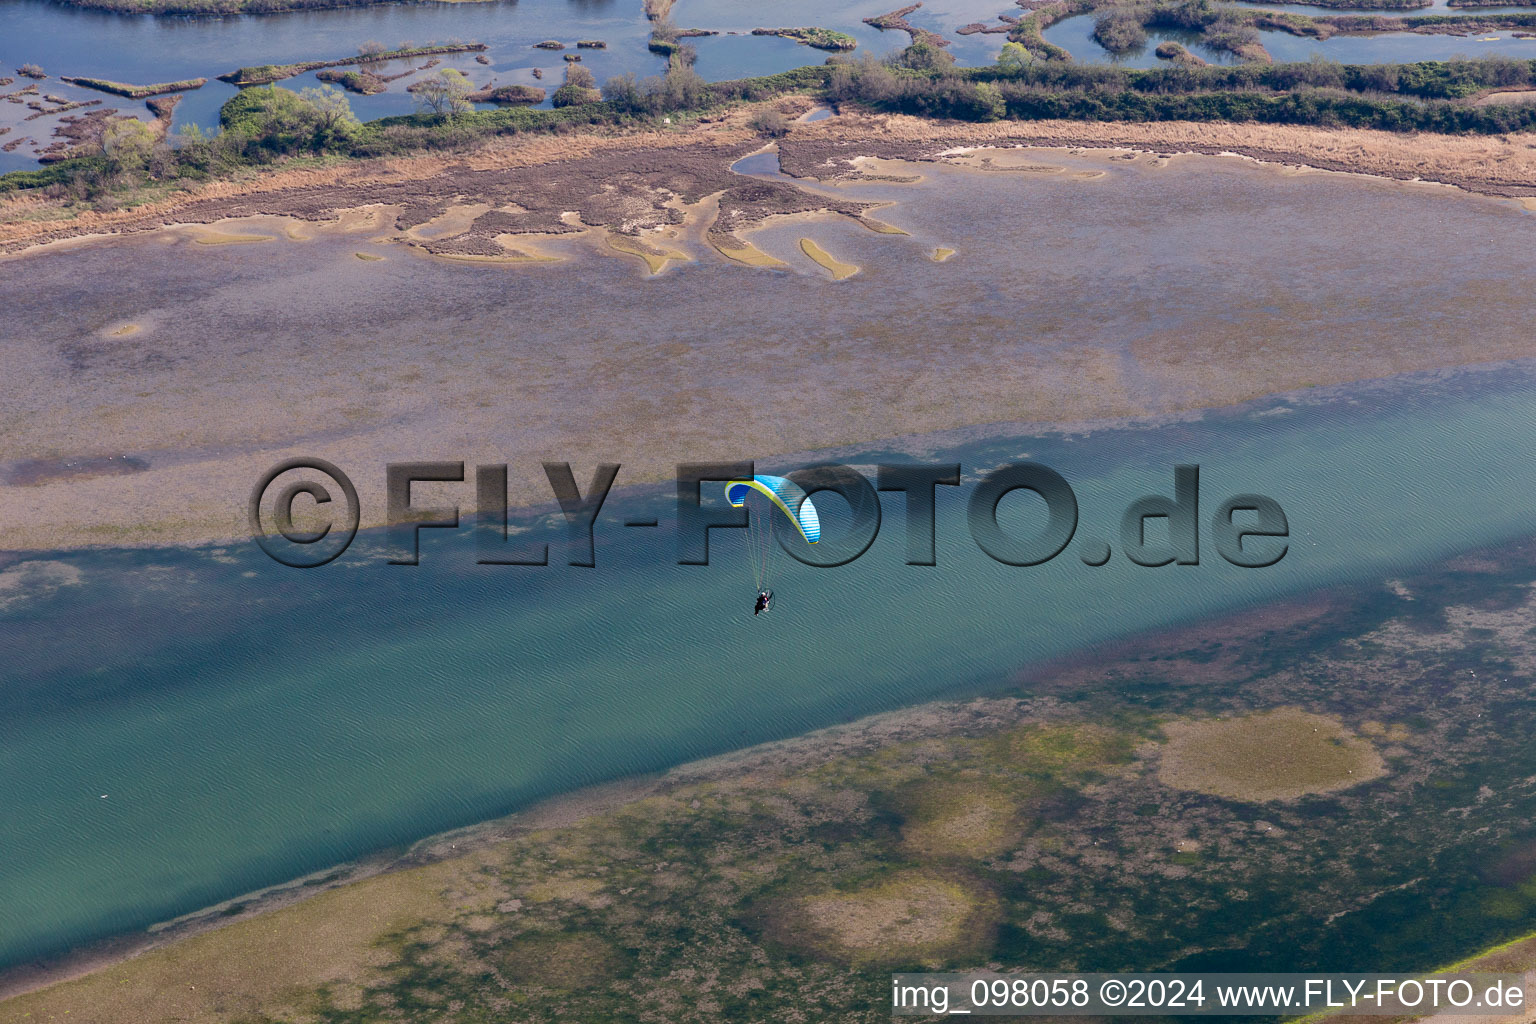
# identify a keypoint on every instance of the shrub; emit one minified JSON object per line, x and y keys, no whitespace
{"x":510,"y":94}
{"x":127,"y":142}
{"x":924,"y":56}
{"x":770,"y":123}
{"x":1014,"y":58}
{"x":1120,"y":30}
{"x":575,"y":96}
{"x":1230,"y":34}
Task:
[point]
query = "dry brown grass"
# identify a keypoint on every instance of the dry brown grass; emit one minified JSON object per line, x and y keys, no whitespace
{"x":1274,"y":755}
{"x":262,"y":963}
{"x":909,"y":915}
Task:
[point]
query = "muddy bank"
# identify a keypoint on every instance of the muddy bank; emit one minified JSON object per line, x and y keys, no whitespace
{"x":927,"y":721}
{"x":667,"y":373}
{"x":627,"y":185}
{"x":1496,"y":166}
{"x":622,"y":181}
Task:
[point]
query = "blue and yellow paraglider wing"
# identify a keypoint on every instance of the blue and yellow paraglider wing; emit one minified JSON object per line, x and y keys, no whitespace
{"x":788,"y":495}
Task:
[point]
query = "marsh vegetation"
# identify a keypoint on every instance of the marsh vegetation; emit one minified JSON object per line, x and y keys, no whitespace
{"x":819,"y":38}
{"x":1396,"y":97}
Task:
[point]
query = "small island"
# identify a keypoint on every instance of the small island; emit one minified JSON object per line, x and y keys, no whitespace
{"x":820,"y":38}
{"x":135,"y":92}
{"x":266,"y":74}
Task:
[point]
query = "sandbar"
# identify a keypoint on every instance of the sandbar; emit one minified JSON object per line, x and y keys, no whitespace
{"x":839,"y":270}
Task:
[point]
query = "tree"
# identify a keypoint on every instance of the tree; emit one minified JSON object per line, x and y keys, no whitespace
{"x":685,"y":89}
{"x":1014,"y":58}
{"x":579,"y":88}
{"x":663,"y":31}
{"x":263,"y":110}
{"x":332,"y":115}
{"x":623,"y":91}
{"x":127,"y":142}
{"x":277,"y":120}
{"x":371,"y":50}
{"x":989,"y":104}
{"x":444,"y":94}
{"x":579,"y":76}
{"x":924,"y":56}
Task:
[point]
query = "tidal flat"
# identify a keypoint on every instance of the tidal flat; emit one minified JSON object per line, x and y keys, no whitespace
{"x":1035,"y":827}
{"x":388,"y":319}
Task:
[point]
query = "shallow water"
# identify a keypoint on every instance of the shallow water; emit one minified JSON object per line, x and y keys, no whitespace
{"x":1069,"y":298}
{"x":240,"y":723}
{"x":140,"y":49}
{"x":183,"y":726}
{"x":1076,"y":35}
{"x":1437,"y":7}
{"x":1375,"y":49}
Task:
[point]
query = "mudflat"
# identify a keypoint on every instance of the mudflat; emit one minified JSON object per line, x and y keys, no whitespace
{"x":1094,"y":293}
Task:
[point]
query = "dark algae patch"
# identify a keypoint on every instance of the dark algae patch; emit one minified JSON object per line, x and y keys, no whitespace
{"x":37,"y":472}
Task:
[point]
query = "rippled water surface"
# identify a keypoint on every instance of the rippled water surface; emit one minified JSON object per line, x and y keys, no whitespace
{"x":183,"y":726}
{"x":1076,"y":35}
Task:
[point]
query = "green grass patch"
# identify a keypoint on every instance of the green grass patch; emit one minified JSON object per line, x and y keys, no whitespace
{"x":820,"y":38}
